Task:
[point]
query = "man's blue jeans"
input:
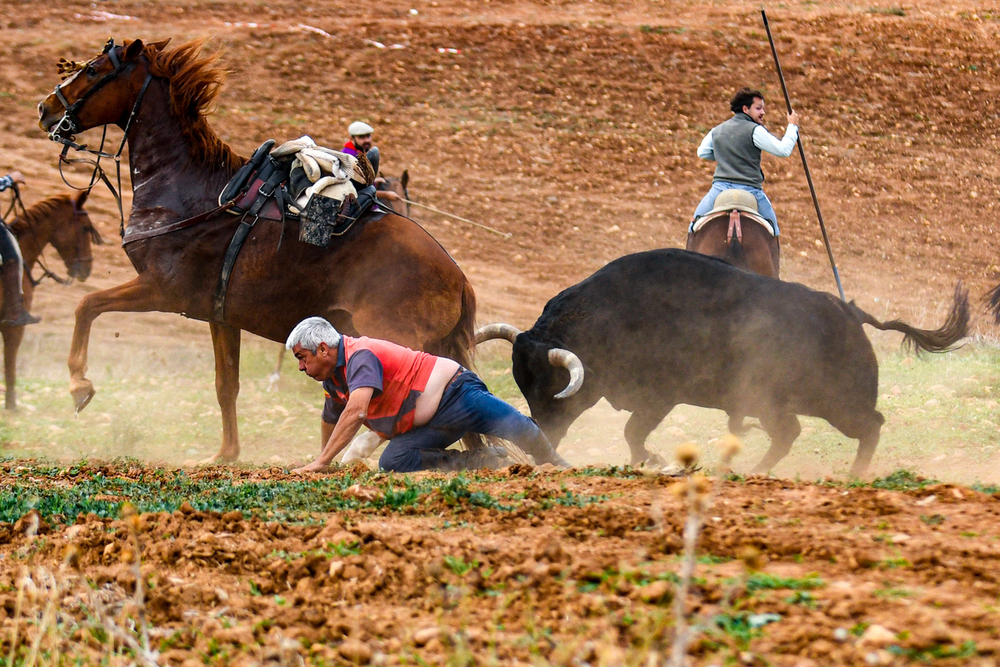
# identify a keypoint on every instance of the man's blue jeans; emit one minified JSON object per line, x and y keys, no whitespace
{"x":718,"y":187}
{"x":467,"y":406}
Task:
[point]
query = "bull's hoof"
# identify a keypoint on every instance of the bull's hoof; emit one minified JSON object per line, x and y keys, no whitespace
{"x":82,"y":396}
{"x":651,"y":461}
{"x":559,"y":461}
{"x":220,"y":458}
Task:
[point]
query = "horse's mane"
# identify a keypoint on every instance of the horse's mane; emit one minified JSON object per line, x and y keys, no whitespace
{"x":34,"y":215}
{"x":195,"y":81}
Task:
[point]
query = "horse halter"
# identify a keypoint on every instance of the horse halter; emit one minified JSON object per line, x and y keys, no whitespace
{"x":65,"y":131}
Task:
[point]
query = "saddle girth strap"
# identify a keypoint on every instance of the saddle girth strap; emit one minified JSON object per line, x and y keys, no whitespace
{"x":232,"y":252}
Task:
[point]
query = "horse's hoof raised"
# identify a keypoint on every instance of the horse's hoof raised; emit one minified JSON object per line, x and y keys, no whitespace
{"x":82,"y":396}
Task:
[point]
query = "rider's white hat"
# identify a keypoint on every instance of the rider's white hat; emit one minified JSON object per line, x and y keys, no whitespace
{"x":359,"y":129}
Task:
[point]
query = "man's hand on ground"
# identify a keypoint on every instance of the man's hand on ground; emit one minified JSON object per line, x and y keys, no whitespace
{"x":315,"y":466}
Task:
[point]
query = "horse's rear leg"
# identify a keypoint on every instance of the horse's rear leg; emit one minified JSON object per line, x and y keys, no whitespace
{"x":226,"y":342}
{"x":135,"y":296}
{"x":12,"y":337}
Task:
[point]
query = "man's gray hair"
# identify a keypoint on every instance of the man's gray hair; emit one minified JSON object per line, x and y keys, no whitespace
{"x":312,"y":331}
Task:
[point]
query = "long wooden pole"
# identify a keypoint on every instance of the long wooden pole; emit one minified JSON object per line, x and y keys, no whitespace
{"x":802,"y":153}
{"x":452,"y":215}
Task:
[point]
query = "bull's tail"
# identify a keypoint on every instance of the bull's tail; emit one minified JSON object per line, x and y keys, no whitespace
{"x":460,"y":344}
{"x":992,"y":298}
{"x":954,"y":329}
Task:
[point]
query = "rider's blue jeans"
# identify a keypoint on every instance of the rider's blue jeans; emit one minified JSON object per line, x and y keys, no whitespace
{"x":718,"y":187}
{"x":467,"y":406}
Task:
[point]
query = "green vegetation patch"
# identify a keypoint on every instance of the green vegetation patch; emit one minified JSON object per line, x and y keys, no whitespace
{"x":760,"y":581}
{"x":902,"y":480}
{"x":103,"y":493}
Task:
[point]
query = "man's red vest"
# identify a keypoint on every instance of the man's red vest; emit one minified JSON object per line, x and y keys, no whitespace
{"x":405,"y":373}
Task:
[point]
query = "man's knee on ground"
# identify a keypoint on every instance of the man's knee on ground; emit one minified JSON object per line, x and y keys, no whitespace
{"x":400,"y":460}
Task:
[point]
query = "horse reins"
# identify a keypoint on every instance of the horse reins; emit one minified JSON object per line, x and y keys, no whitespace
{"x":69,"y":125}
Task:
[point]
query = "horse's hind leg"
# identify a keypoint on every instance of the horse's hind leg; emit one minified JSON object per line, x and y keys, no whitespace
{"x":136,"y":296}
{"x":783,"y":429}
{"x":226,"y":343}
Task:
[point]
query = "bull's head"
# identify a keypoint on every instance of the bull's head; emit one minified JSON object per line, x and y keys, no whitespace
{"x":546,"y":376}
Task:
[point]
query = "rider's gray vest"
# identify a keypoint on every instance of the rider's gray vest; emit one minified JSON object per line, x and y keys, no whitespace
{"x":737,"y":158}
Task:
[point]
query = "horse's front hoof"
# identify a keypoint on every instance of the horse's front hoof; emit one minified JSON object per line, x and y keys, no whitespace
{"x":219,"y":459}
{"x":82,"y":396}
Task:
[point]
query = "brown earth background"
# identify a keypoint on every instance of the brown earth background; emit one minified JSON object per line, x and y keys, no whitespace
{"x":573,"y":126}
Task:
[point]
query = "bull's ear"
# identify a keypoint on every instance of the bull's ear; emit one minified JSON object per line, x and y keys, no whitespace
{"x":133,"y":49}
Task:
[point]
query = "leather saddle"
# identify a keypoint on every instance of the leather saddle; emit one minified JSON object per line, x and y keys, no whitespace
{"x":741,"y":202}
{"x":267,"y":188}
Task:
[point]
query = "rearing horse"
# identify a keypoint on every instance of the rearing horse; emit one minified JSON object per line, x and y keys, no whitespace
{"x":734,"y":232}
{"x":63,"y":222}
{"x":387,"y":279}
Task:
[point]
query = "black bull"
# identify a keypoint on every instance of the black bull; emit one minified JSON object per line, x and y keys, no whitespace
{"x":659,"y":328}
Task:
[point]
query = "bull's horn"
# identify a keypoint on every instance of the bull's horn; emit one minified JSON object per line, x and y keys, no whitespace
{"x":495,"y":331}
{"x":568,"y":360}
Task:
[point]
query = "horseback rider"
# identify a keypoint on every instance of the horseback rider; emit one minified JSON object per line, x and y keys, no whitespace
{"x":736,"y":145}
{"x":13,"y":312}
{"x":361,"y":142}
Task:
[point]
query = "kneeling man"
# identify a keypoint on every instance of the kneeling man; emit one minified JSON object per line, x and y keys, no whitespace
{"x":419,"y":402}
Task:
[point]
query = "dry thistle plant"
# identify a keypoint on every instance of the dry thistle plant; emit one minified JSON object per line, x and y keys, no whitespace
{"x":698,"y":491}
{"x":58,"y":615}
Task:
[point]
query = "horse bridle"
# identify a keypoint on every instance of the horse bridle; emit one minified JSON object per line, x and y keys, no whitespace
{"x":64,"y":132}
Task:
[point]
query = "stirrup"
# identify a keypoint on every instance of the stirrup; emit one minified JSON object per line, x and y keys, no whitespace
{"x":24,"y":319}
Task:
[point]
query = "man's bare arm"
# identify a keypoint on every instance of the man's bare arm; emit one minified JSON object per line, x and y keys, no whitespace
{"x":351,"y":419}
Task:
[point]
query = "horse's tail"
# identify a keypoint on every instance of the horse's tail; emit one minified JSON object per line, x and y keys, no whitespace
{"x":735,"y":254}
{"x":954,"y":329}
{"x":460,"y":344}
{"x":992,"y":299}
